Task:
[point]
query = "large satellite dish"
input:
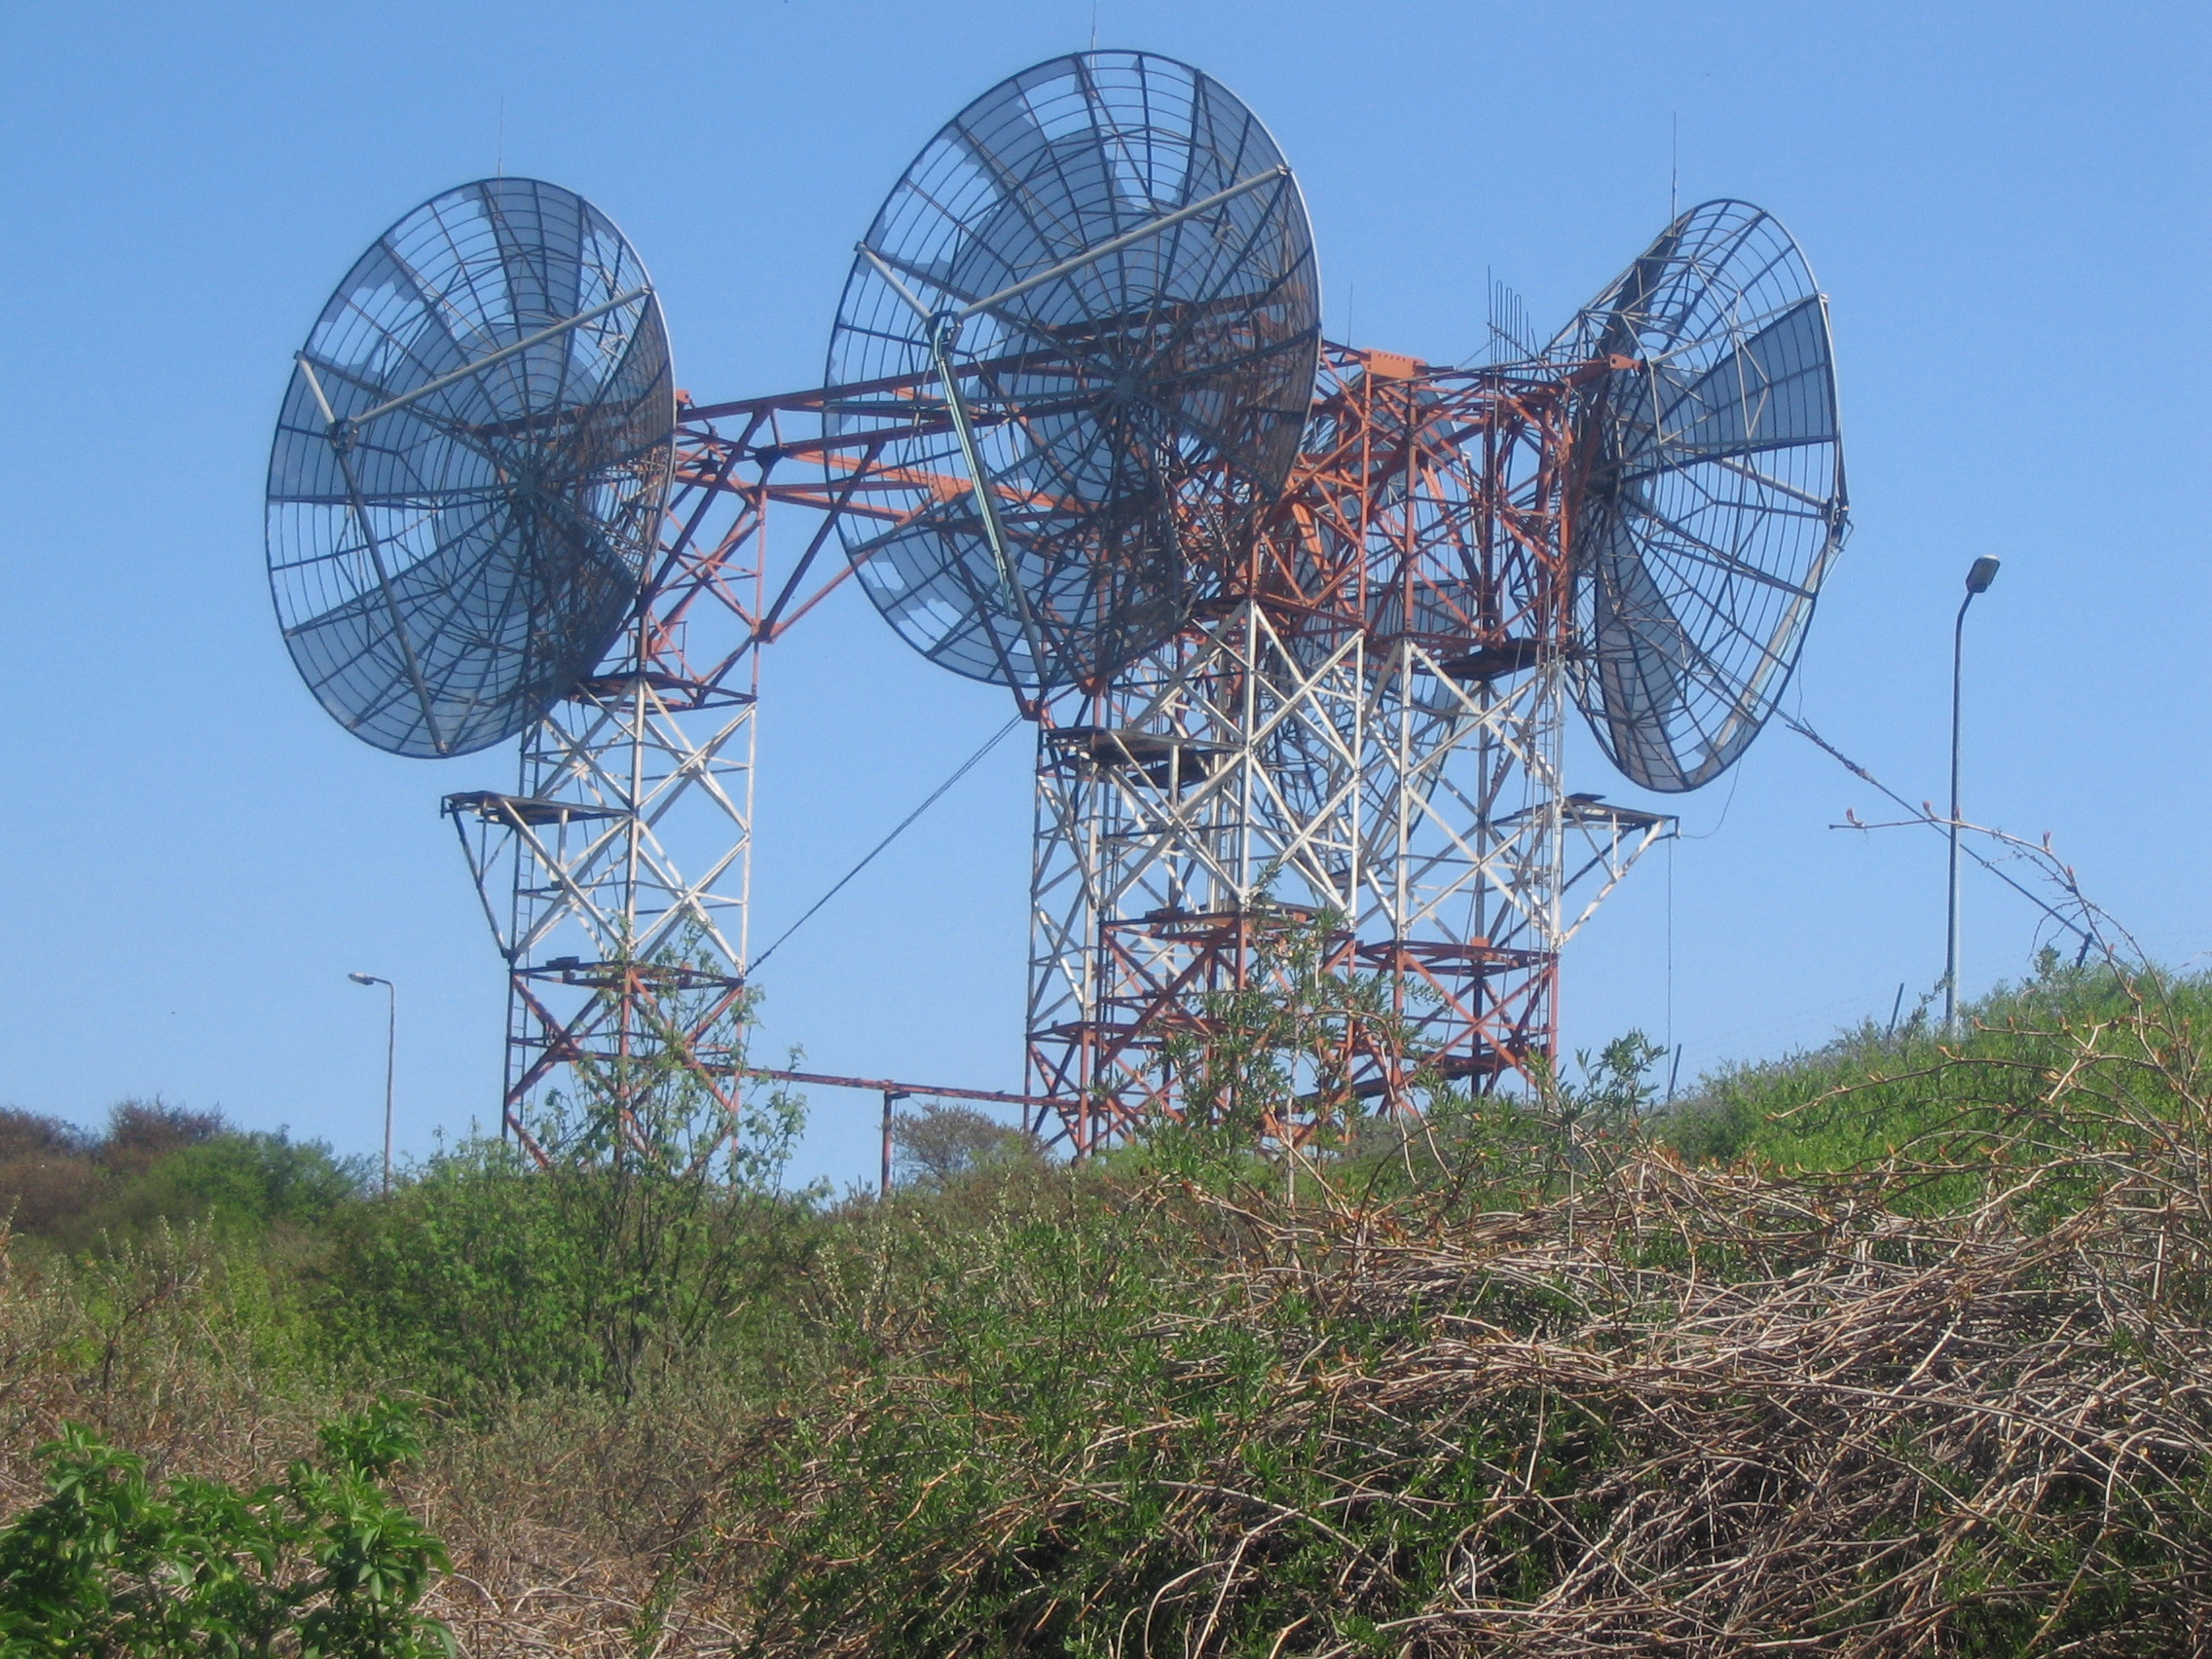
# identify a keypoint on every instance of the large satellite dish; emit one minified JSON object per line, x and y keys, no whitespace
{"x":470,"y":468}
{"x":1715,"y":496}
{"x":1088,"y":318}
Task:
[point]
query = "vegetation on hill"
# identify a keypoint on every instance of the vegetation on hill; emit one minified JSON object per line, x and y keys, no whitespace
{"x":1898,"y":1347}
{"x":321,"y":1565}
{"x":156,"y":1163}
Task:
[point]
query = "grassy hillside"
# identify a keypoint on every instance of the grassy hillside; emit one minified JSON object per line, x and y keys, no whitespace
{"x":1897,"y":1347}
{"x":2055,"y":1061}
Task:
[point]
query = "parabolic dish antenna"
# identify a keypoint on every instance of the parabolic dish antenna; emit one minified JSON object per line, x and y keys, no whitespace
{"x":1715,"y":496}
{"x":1092,"y":308}
{"x":470,"y":468}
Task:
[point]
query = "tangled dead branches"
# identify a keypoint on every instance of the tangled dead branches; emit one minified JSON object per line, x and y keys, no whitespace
{"x":1826,"y":1426}
{"x":1685,"y":1412}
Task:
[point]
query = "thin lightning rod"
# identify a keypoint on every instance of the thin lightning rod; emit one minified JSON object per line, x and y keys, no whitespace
{"x":1674,"y":166}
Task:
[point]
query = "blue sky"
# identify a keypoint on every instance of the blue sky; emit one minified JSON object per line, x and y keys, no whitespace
{"x":2006,"y":204}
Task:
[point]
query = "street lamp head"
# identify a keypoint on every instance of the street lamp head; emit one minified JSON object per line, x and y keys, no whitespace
{"x":1984,"y":573}
{"x":390,"y":1056}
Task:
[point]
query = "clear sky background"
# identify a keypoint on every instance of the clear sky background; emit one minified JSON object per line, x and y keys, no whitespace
{"x":2006,"y":202}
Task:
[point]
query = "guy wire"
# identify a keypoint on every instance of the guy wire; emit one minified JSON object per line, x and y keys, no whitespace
{"x":964,"y":768}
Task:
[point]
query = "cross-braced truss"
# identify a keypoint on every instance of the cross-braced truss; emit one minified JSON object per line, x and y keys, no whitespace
{"x":1367,"y":728}
{"x":604,"y":936}
{"x":615,"y":877}
{"x":1369,"y":732}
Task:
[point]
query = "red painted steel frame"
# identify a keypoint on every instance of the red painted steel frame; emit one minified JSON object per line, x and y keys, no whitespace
{"x":1430,"y":507}
{"x":1430,"y":504}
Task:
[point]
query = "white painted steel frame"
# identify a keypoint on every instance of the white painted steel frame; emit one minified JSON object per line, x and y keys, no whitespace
{"x":1434,"y":812}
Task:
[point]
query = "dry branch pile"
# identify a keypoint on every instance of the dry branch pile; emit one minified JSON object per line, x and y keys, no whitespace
{"x":1682,"y":1412}
{"x":1829,"y":1426}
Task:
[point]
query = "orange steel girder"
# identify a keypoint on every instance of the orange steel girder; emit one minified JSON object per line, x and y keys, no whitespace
{"x":614,"y":954}
{"x":1426,"y":535}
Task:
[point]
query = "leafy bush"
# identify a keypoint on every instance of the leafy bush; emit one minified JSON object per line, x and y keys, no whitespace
{"x":158,"y":1163}
{"x":655,"y":1229}
{"x":484,"y":1277}
{"x":943,"y":1142}
{"x":258,"y":1179}
{"x":323,"y":1566}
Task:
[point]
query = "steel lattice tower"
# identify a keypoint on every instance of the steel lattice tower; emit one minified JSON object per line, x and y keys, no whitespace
{"x":645,"y":770}
{"x":1367,"y":725}
{"x":1369,"y":728}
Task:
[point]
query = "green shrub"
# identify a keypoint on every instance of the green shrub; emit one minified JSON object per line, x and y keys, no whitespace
{"x":158,"y":1163}
{"x":644,"y":1225}
{"x":485,"y":1275}
{"x":944,"y":1142}
{"x":324,"y":1564}
{"x":257,"y":1180}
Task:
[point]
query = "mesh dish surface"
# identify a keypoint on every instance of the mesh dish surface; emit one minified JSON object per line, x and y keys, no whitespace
{"x":1714,"y":501}
{"x":1133,"y":413}
{"x":443,"y":571}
